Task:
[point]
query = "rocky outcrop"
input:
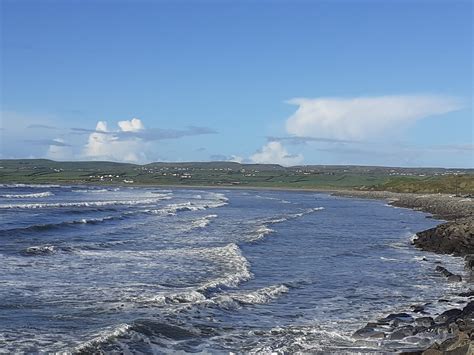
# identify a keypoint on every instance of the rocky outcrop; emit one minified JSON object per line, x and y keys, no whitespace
{"x":461,"y":324}
{"x":454,"y":325}
{"x":455,"y":237}
{"x":442,"y":206}
{"x":448,"y":274}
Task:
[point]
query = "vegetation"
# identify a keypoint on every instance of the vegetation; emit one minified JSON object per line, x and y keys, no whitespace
{"x":423,"y":180}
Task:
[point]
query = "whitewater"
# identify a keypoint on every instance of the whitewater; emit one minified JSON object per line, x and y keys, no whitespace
{"x":150,"y":270}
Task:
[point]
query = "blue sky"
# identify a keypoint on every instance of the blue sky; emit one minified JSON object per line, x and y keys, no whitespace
{"x":289,"y":82}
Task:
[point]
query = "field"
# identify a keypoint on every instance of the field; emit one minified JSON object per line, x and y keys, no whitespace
{"x":421,"y":180}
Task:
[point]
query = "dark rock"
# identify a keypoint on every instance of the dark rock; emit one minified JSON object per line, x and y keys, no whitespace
{"x":468,"y":310}
{"x":469,"y":259}
{"x":397,"y":322}
{"x":469,"y":293}
{"x":417,"y":308}
{"x":454,"y":278}
{"x":371,"y":325}
{"x":425,"y":321}
{"x":402,"y":332}
{"x":443,"y":271}
{"x":448,"y":274}
{"x":365,"y":332}
{"x":440,"y":269}
{"x":455,"y":237}
{"x":448,"y":316}
{"x":377,"y":335}
{"x":399,"y":316}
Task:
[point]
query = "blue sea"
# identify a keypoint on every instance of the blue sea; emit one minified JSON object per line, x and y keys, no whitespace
{"x":151,"y":270}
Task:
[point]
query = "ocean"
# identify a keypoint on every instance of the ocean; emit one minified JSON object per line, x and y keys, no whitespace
{"x":152,"y":270}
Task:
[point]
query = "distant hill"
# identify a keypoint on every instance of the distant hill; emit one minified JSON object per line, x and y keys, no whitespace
{"x":218,"y":173}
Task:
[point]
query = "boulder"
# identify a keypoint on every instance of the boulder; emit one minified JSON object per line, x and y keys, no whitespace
{"x":417,"y":308}
{"x":400,"y":316}
{"x":424,"y":321}
{"x":454,"y":278}
{"x":448,"y":274}
{"x":448,"y":316}
{"x":455,"y":237}
{"x":402,"y":332}
{"x":469,"y":259}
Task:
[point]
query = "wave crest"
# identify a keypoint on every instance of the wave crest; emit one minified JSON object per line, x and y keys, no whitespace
{"x":85,"y":203}
{"x":33,"y":195}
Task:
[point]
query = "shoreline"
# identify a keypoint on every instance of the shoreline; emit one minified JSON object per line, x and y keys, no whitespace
{"x":453,"y":237}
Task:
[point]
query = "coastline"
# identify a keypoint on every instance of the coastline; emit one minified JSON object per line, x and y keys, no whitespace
{"x":454,"y":237}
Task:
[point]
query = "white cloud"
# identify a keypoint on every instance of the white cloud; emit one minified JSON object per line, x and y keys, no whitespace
{"x":104,"y":144}
{"x":134,"y":125}
{"x":363,"y":117}
{"x":275,"y":153}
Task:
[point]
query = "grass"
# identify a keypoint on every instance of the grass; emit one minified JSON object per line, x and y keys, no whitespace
{"x":419,"y":180}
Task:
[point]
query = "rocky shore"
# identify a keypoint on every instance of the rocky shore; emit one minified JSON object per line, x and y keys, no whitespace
{"x":454,"y":328}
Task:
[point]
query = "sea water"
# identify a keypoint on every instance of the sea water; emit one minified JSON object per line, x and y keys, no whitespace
{"x":152,"y":270}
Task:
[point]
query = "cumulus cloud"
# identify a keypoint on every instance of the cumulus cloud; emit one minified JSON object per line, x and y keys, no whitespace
{"x":363,"y":117}
{"x":275,"y":153}
{"x":104,"y":144}
{"x":130,"y":140}
{"x":134,"y":125}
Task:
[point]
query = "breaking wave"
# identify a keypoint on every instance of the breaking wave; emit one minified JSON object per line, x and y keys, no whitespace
{"x":40,"y":250}
{"x":263,"y":229}
{"x":174,"y":208}
{"x":236,"y":262}
{"x":145,"y":330}
{"x":236,"y":299}
{"x":202,"y":222}
{"x":85,"y":203}
{"x":33,"y":195}
{"x":42,"y":186}
{"x":102,"y":337}
{"x":237,"y":271}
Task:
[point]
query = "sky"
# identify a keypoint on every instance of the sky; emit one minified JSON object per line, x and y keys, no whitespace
{"x":287,"y":82}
